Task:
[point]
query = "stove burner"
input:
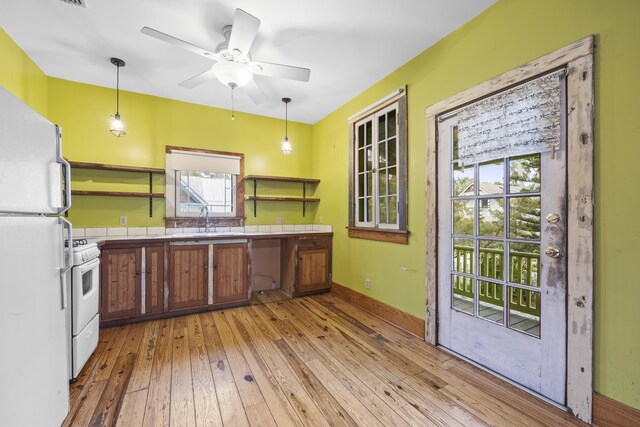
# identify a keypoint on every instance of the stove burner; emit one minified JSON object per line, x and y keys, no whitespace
{"x":76,"y":243}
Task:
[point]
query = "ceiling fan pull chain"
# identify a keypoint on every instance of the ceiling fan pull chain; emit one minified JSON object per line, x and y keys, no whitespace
{"x":233,"y":114}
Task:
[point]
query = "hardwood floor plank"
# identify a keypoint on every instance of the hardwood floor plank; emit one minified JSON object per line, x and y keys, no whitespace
{"x":215,"y":349}
{"x":132,"y":409}
{"x":108,"y":407}
{"x":141,"y":376}
{"x":207,"y":410}
{"x":330,"y":407}
{"x":83,"y":411}
{"x":183,"y":411}
{"x":110,"y":354}
{"x":158,"y":407}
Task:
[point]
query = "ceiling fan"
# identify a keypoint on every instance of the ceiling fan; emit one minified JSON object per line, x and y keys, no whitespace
{"x":234,"y":66}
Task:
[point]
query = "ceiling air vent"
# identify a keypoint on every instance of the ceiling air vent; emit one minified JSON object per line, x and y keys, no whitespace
{"x":80,"y":3}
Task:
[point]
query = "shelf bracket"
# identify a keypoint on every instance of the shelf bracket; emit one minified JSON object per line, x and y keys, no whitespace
{"x":304,"y":196}
{"x":255,"y":202}
{"x":150,"y":195}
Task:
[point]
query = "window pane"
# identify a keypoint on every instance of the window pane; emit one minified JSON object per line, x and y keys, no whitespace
{"x":382,"y":182}
{"x":391,"y":144}
{"x":382,"y":154}
{"x":491,"y":217}
{"x":382,"y":128}
{"x":524,"y":264}
{"x":369,"y":182}
{"x":463,"y":217}
{"x":214,"y":190}
{"x":463,"y":257}
{"x":361,"y":184}
{"x":368,"y":127}
{"x":369,"y":159}
{"x":369,"y":215}
{"x":463,"y":294}
{"x":524,"y":311}
{"x":393,"y":181}
{"x":391,"y":122}
{"x":491,"y":259}
{"x":524,"y":174}
{"x":454,"y":143}
{"x":383,"y":210}
{"x":463,"y":181}
{"x":524,"y":218}
{"x":393,"y":210}
{"x":491,"y":178}
{"x":361,"y":140}
{"x":361,"y":209}
{"x":361,"y":164}
{"x":491,"y":301}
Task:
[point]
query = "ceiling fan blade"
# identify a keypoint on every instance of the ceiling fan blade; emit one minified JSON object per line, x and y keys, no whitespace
{"x":198,"y":80}
{"x":283,"y":71}
{"x":255,"y":92}
{"x":243,"y":31}
{"x":179,"y":43}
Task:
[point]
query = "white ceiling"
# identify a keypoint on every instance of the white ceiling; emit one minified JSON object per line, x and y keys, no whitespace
{"x":347,"y":44}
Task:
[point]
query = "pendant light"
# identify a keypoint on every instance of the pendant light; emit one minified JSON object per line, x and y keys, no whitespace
{"x":286,"y":145}
{"x":117,"y":126}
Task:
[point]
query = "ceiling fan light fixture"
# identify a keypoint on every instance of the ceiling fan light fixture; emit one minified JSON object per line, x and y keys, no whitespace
{"x":232,"y":73}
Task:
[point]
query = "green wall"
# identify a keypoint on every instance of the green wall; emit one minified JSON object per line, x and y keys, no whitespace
{"x":152,"y":123}
{"x":510,"y":33}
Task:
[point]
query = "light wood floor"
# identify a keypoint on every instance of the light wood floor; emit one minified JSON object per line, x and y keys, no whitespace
{"x":314,"y":361}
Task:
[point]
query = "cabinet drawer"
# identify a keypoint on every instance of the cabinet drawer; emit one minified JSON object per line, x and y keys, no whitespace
{"x":313,"y":242}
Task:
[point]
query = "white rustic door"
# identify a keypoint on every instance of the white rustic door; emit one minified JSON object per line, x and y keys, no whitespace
{"x":501,"y":263}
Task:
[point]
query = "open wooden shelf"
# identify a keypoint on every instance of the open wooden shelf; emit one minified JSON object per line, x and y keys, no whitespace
{"x":116,"y":168}
{"x":304,"y":199}
{"x":116,"y":194}
{"x":120,"y":168}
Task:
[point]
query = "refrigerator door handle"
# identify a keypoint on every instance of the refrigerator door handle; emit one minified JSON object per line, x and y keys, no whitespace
{"x":67,"y":173}
{"x":67,"y":256}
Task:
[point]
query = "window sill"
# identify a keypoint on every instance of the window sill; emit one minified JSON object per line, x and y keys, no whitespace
{"x":189,"y":221}
{"x":383,"y":235}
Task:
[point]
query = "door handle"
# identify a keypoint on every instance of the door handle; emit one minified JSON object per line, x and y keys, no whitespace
{"x":67,"y":172}
{"x":552,"y":252}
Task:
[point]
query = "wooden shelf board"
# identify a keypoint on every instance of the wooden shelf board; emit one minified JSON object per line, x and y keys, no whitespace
{"x":281,"y":179}
{"x":118,"y":168}
{"x":282,"y":199}
{"x":116,"y":194}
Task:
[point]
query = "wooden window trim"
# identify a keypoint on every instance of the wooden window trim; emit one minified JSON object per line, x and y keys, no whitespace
{"x":391,"y":235}
{"x":232,"y":221}
{"x":578,"y":58}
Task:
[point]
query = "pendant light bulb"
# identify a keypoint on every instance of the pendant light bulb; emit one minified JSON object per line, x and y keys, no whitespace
{"x":117,"y":125}
{"x":286,"y":145}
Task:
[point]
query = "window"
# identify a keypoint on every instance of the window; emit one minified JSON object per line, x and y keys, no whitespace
{"x":378,"y":171}
{"x":199,"y":179}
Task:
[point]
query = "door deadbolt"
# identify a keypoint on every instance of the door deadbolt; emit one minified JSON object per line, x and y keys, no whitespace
{"x":552,"y":252}
{"x":553,"y":218}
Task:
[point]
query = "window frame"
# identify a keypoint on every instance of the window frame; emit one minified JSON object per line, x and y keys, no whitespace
{"x":172,"y":219}
{"x":373,"y":229}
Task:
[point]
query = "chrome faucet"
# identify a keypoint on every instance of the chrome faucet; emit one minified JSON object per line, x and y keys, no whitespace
{"x":205,"y":209}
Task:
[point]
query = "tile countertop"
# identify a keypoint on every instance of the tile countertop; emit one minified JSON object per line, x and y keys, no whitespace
{"x":205,"y":236}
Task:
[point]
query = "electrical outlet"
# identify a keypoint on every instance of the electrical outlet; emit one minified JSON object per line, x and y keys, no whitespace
{"x":367,"y":284}
{"x":123,"y":220}
{"x":279,"y":220}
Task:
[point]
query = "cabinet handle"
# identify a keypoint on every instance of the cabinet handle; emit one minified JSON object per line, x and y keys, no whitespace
{"x":206,"y":267}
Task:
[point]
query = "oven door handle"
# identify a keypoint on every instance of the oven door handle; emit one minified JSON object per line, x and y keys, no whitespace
{"x":83,"y":268}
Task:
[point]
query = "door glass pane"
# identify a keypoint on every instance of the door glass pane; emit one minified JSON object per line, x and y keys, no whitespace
{"x":369,"y":209}
{"x":382,"y":182}
{"x":463,"y":217}
{"x":463,"y":180}
{"x":391,"y":144}
{"x":393,"y":181}
{"x":524,"y":218}
{"x":369,"y":159}
{"x":524,"y":174}
{"x":491,"y":177}
{"x":463,"y":293}
{"x":361,"y":140}
{"x":491,"y":217}
{"x":524,"y":264}
{"x":381,"y":127}
{"x":361,"y":160}
{"x":491,"y":301}
{"x":391,"y":123}
{"x":524,"y":311}
{"x":361,"y":209}
{"x":383,"y":209}
{"x":491,"y":259}
{"x":454,"y":143}
{"x":382,"y":154}
{"x":369,"y":183}
{"x":463,"y":259}
{"x":368,"y":131}
{"x":361,"y":184}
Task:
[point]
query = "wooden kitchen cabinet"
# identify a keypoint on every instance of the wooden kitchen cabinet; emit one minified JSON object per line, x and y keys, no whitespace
{"x":188,"y":285}
{"x":120,"y":283}
{"x":313,"y":267}
{"x":154,"y":283}
{"x":230,"y":270}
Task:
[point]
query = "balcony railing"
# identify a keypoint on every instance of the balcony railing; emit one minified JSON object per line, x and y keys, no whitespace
{"x":524,"y":269}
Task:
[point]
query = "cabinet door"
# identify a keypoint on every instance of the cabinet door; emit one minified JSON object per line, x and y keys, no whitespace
{"x":230,"y":273}
{"x":189,"y":276}
{"x":313,"y":269}
{"x":154,"y":279}
{"x":120,"y":283}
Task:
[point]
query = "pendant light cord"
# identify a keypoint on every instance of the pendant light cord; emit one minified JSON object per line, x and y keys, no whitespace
{"x":286,"y":121}
{"x":118,"y":90}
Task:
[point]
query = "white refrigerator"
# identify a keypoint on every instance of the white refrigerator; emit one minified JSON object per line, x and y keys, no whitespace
{"x":34,"y":387}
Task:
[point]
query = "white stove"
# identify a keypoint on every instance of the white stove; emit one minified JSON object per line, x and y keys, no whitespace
{"x":84,"y":294}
